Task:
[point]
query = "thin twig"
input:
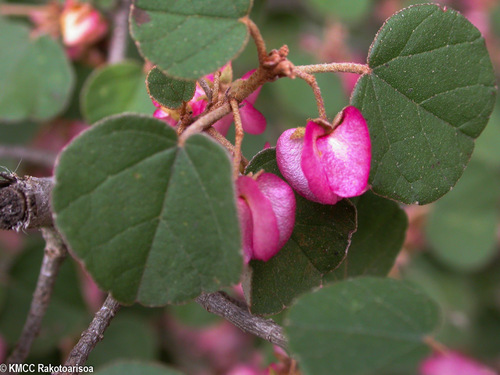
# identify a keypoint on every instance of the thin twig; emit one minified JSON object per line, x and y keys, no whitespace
{"x":205,"y":122}
{"x":238,"y":138}
{"x":335,"y":68}
{"x":118,"y":42}
{"x":215,"y":94}
{"x":206,"y":88}
{"x":40,"y":157}
{"x":94,"y":333}
{"x":54,"y":254}
{"x":258,"y":39}
{"x":221,"y":304}
{"x":19,"y":9}
{"x":311,"y":81}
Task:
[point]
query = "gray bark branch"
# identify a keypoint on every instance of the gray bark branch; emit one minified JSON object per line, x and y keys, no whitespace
{"x":54,"y":255}
{"x":119,"y":34}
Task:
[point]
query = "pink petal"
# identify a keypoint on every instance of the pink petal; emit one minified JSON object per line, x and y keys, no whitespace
{"x":253,"y":96}
{"x":312,"y":166}
{"x":346,"y":154}
{"x":252,"y":120}
{"x":282,"y":199}
{"x":246,"y":226}
{"x":288,"y":155}
{"x":223,"y":125}
{"x":265,"y":240}
{"x":453,"y":363}
{"x":160,"y":115}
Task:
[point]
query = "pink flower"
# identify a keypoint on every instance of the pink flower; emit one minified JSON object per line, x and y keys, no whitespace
{"x":81,"y":24}
{"x":453,"y":363}
{"x":266,"y":207}
{"x":252,"y":120}
{"x":326,"y":167}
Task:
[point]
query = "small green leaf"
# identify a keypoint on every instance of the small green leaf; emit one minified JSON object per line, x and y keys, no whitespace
{"x":462,"y":227}
{"x":360,"y":326}
{"x":136,"y":368}
{"x":429,"y":95}
{"x":115,"y":89}
{"x":169,"y":92}
{"x":189,"y":39}
{"x":36,"y":78}
{"x":319,"y":242}
{"x":377,"y":242}
{"x":153,"y":222}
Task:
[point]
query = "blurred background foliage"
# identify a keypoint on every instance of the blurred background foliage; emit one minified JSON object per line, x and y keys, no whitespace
{"x":451,"y":248}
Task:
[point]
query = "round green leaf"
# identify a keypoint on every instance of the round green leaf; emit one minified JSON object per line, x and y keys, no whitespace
{"x":377,"y":242}
{"x":36,"y":78}
{"x":360,"y":326}
{"x":189,"y":39}
{"x":319,"y":242}
{"x":115,"y":89}
{"x":429,"y":95}
{"x":152,"y":221}
{"x":169,"y":92}
{"x":136,"y":368}
{"x":462,"y":227}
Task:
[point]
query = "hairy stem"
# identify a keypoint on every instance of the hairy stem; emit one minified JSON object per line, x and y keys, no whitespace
{"x":206,"y":88}
{"x":19,"y":10}
{"x":311,"y":81}
{"x":258,"y":39}
{"x":238,"y":137}
{"x":54,"y":254}
{"x":334,"y":68}
{"x":221,"y":304}
{"x":94,"y":333}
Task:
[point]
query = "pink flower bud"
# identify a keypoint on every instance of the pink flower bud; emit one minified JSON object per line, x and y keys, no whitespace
{"x":266,"y":208}
{"x":326,"y":167}
{"x":453,"y":363}
{"x":81,"y":24}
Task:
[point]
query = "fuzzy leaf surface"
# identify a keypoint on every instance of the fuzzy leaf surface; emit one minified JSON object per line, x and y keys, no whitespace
{"x":189,"y":39}
{"x":429,"y":95}
{"x":360,"y":326}
{"x":151,"y":221}
{"x":167,"y":91}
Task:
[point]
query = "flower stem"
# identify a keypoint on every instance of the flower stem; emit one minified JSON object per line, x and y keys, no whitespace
{"x":311,"y":81}
{"x":335,"y":68}
{"x":238,"y":139}
{"x":258,"y":39}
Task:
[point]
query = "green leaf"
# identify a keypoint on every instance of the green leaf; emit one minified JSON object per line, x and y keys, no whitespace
{"x":377,"y":242}
{"x":319,"y":242}
{"x":346,"y":10}
{"x":189,"y":39}
{"x":429,"y":95}
{"x":462,"y":227}
{"x":169,"y":92}
{"x":36,"y":78}
{"x":115,"y":89}
{"x":136,"y":368}
{"x":360,"y":326}
{"x":152,"y":221}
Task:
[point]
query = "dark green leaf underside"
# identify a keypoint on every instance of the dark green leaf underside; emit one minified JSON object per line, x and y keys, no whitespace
{"x":151,"y":221}
{"x":319,"y":242}
{"x":377,"y":242}
{"x":189,"y":40}
{"x":430,"y":93}
{"x":169,"y":92}
{"x":360,"y":326}
{"x":35,"y":76}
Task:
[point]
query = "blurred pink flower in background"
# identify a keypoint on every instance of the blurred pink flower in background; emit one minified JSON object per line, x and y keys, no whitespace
{"x":453,"y":363}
